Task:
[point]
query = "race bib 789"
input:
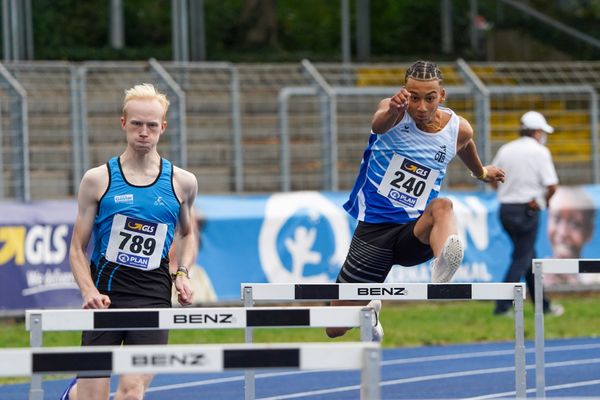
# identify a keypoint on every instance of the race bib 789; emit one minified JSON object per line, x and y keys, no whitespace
{"x":136,"y":243}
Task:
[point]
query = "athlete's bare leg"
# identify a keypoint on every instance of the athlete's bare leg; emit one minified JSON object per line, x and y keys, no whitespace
{"x":436,"y":224}
{"x":90,"y":388}
{"x":133,"y":386}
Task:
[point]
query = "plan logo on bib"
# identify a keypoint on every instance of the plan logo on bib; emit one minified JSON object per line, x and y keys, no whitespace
{"x":304,"y":238}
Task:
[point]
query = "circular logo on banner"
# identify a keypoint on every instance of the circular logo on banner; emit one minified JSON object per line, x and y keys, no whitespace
{"x":304,"y":238}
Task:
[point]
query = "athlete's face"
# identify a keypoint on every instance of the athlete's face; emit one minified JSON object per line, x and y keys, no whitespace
{"x":425,"y":96}
{"x":143,"y":123}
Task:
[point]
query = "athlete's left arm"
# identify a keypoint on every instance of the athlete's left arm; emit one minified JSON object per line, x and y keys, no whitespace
{"x":467,"y":151}
{"x":186,"y":188}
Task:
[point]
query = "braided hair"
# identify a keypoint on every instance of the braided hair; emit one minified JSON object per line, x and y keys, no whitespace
{"x":423,"y":71}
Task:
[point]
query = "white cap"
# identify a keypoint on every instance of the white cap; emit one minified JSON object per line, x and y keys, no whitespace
{"x":534,"y":120}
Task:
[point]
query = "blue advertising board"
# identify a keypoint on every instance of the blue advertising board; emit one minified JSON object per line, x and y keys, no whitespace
{"x":304,"y":236}
{"x":34,"y":255}
{"x":283,"y":237}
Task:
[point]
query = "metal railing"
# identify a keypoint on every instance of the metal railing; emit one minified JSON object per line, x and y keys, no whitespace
{"x":262,"y":128}
{"x":19,"y":137}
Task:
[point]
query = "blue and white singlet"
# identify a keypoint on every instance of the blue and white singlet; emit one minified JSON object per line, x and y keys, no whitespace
{"x":133,"y":232}
{"x":402,"y":171}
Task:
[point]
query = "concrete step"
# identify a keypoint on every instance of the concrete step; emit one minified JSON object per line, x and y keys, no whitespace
{"x":51,"y":157}
{"x":46,"y":184}
{"x":209,"y":154}
{"x":214,"y":179}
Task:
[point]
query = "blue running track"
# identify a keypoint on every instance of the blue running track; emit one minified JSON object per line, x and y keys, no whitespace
{"x":474,"y":371}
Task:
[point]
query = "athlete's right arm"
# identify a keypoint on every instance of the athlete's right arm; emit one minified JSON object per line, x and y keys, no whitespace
{"x":92,"y":186}
{"x":390,"y":112}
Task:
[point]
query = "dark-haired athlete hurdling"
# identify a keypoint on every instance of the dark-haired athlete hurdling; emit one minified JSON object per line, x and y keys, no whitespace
{"x":401,"y":220}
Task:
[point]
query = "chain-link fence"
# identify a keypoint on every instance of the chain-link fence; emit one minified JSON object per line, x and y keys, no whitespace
{"x":566,"y":93}
{"x":261,"y":128}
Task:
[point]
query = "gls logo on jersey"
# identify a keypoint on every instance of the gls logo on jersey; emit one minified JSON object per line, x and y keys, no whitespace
{"x":137,"y":225}
{"x":415,"y":169}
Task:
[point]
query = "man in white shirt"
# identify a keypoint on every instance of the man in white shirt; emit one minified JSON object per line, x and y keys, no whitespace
{"x":529,"y":184}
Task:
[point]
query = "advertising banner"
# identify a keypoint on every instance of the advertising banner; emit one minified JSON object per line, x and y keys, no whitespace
{"x":304,"y":237}
{"x":285,"y":237}
{"x":34,"y":259}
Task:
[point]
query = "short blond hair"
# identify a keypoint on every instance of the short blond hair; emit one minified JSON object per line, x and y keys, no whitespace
{"x":146,"y":91}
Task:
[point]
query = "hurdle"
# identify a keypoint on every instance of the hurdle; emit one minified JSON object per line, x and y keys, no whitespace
{"x":551,"y":266}
{"x":38,"y":321}
{"x":95,"y":360}
{"x":252,"y":292}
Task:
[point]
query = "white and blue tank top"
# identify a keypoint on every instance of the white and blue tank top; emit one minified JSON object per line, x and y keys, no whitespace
{"x":133,"y":231}
{"x":402,"y":171}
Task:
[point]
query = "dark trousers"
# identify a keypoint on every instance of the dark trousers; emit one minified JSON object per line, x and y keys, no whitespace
{"x":521,"y":224}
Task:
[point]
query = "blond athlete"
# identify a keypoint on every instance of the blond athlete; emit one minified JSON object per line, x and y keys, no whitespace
{"x":401,"y":219}
{"x":135,"y":205}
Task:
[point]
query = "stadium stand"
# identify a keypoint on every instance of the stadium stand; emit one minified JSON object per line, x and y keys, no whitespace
{"x":212,"y":122}
{"x":50,"y":138}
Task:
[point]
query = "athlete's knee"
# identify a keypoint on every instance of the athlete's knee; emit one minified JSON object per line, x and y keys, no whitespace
{"x":440,"y":207}
{"x":130,"y":394}
{"x":130,"y":390}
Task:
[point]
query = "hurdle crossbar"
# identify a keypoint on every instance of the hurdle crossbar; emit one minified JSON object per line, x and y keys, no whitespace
{"x":380,"y":291}
{"x":197,"y":359}
{"x":190,"y":318}
{"x":551,"y":266}
{"x":251,"y":292}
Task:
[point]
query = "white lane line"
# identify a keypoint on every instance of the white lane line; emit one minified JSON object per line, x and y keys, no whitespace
{"x":431,"y":377}
{"x":548,"y":389}
{"x":491,"y":353}
{"x":217,"y":381}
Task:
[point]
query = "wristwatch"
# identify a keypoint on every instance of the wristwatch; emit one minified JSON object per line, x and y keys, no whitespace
{"x":181,"y":271}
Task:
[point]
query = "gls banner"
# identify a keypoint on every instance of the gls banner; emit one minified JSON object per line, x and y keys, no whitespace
{"x":34,"y":258}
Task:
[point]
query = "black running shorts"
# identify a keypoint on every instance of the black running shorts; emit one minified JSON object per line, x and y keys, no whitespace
{"x":126,"y":337}
{"x":375,"y":248}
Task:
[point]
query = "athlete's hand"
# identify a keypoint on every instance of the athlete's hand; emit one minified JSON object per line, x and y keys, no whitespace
{"x":494,"y":174}
{"x":95,"y":300}
{"x":399,"y":102}
{"x":184,"y":290}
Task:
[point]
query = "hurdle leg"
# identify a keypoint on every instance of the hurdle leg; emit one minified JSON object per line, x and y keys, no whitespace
{"x":35,"y":340}
{"x":371,"y":375}
{"x":249,"y":381}
{"x":520,"y":371}
{"x":540,"y":374}
{"x":366,"y":325}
